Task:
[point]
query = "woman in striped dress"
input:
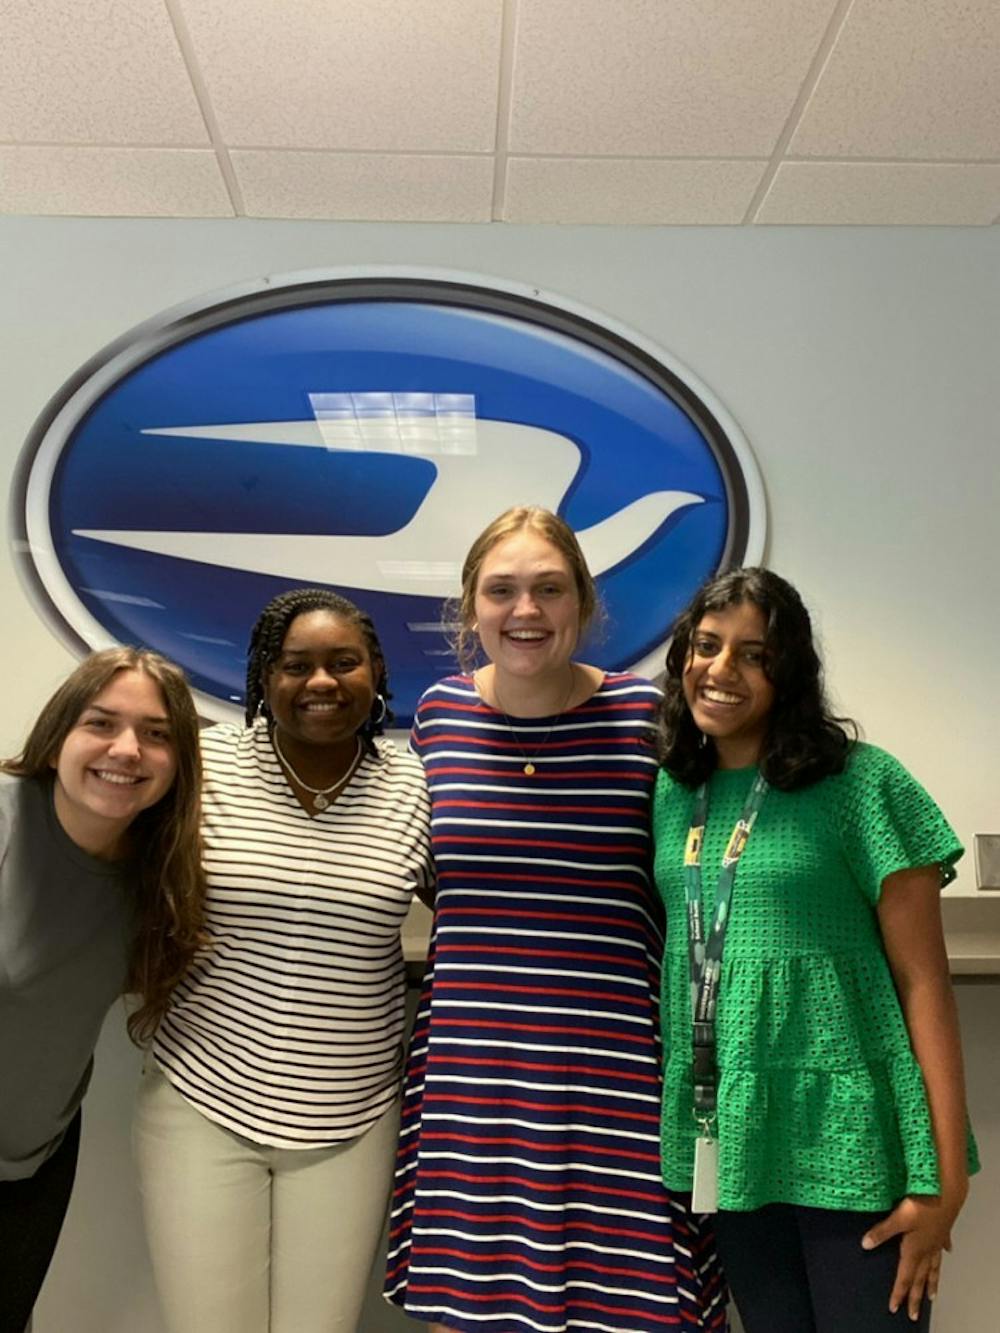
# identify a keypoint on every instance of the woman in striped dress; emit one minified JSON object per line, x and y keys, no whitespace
{"x":528,"y":1194}
{"x":267,"y":1119}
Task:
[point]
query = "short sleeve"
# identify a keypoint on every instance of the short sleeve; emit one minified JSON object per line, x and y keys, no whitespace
{"x":416,"y":741}
{"x":888,"y":822}
{"x":426,"y":874}
{"x":8,"y":789}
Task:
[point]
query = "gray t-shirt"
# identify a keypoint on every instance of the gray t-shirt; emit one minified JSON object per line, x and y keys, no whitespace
{"x":66,"y":925}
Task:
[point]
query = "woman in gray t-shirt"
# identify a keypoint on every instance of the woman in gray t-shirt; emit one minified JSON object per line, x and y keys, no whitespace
{"x":100,"y":893}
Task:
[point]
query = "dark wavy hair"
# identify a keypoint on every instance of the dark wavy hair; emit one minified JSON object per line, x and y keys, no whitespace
{"x":805,"y":741}
{"x":269,"y":633}
{"x":170,"y":891}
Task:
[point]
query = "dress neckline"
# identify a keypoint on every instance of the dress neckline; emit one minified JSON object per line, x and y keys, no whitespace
{"x":542,"y":717}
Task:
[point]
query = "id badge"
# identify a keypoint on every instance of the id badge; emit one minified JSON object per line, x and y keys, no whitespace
{"x":705,"y":1188}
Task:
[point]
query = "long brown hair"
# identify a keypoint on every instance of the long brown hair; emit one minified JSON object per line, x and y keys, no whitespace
{"x":170,"y":876}
{"x":547,"y":525}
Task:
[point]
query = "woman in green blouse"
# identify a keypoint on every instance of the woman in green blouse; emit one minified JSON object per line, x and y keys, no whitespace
{"x":813,"y":1088}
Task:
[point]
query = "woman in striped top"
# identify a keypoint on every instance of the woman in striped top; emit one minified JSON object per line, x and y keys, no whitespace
{"x":528,"y":1194}
{"x":267,"y":1119}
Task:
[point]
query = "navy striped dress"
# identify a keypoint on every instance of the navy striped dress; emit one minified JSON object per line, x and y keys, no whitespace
{"x":528,"y":1193}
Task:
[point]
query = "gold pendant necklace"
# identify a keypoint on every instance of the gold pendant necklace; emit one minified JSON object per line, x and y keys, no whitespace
{"x":320,"y":795}
{"x":529,"y":768}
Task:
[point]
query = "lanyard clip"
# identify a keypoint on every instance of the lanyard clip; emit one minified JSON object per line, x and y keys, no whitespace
{"x":706,"y":1124}
{"x":703,"y":1069}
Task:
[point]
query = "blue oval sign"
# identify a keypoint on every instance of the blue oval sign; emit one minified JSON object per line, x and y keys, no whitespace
{"x":358,"y":432}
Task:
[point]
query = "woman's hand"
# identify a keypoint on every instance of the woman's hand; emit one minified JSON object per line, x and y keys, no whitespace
{"x":924,"y":1224}
{"x":909,"y":913}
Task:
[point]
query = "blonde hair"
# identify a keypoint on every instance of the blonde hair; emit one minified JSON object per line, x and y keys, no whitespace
{"x":554,"y":530}
{"x":170,"y":876}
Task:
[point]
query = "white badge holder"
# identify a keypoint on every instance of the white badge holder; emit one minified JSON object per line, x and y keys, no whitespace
{"x":705,"y":1186}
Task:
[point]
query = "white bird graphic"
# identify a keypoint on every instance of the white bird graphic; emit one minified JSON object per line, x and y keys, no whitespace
{"x":483,"y":467}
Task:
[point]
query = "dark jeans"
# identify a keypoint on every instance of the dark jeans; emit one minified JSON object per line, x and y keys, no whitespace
{"x":802,"y":1270}
{"x":31,"y":1217}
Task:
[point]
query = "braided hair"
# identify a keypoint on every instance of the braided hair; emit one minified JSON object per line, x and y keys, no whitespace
{"x":269,"y":633}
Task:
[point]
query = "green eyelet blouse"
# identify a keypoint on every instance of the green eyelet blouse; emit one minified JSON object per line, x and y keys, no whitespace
{"x":821,"y":1101}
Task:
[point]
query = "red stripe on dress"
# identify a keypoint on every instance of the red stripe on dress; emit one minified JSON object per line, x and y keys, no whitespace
{"x":542,"y":1186}
{"x":592,"y":849}
{"x":515,"y":1257}
{"x":591,"y":1071}
{"x":518,"y":877}
{"x":538,"y":1145}
{"x":567,"y":991}
{"x":569,"y":1226}
{"x":558,"y":807}
{"x":575,"y":775}
{"x":558,"y":742}
{"x":582,"y":917}
{"x":575,"y":955}
{"x":522,"y":1104}
{"x":421,"y":1288}
{"x":556,"y":1029}
{"x":593,"y":710}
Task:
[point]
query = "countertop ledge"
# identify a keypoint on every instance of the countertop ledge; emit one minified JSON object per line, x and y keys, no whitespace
{"x":971,"y":927}
{"x":972,"y":935}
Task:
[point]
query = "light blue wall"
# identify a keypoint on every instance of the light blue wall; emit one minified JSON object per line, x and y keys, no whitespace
{"x":862,"y":365}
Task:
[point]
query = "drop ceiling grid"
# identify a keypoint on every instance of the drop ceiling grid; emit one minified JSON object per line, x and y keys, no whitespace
{"x":607,"y":111}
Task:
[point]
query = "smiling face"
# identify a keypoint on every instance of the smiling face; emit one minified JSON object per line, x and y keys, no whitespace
{"x":117,"y":760}
{"x":527,"y":607}
{"x":322,"y":686}
{"x":725,"y":685}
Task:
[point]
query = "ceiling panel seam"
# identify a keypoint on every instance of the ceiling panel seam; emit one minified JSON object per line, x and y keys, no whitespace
{"x":186,"y":45}
{"x":896,"y":161}
{"x":813,"y":74}
{"x":307,"y":150}
{"x":505,"y":83}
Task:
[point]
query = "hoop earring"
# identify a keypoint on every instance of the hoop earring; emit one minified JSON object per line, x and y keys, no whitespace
{"x":379,"y":700}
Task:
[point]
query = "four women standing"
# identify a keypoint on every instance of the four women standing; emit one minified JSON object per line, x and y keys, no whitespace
{"x":812,"y":1081}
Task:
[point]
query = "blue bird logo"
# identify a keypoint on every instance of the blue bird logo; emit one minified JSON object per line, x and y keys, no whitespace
{"x":359,"y":434}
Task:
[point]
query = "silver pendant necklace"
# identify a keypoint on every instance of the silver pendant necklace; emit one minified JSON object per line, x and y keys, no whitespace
{"x":320,"y":795}
{"x":529,"y":768}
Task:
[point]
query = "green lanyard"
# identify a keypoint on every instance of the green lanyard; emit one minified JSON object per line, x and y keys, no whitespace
{"x":705,"y":955}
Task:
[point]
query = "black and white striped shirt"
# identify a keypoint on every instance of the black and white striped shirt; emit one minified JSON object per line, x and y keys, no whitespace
{"x":288,"y":1027}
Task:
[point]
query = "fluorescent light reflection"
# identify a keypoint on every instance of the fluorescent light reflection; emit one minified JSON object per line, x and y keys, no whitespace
{"x":397,"y":423}
{"x":440,"y":570}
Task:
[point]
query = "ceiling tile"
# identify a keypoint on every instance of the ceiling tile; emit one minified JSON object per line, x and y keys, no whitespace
{"x":392,"y":75}
{"x":660,"y":78}
{"x":909,"y":78}
{"x":113,"y":182}
{"x":376,"y":187}
{"x":883,"y":193}
{"x":629,"y":191}
{"x":85,"y":71}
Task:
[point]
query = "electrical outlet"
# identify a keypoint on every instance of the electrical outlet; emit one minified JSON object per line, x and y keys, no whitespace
{"x":987,"y":847}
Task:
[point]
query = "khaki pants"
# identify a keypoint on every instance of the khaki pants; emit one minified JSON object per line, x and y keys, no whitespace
{"x":250,"y":1239}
